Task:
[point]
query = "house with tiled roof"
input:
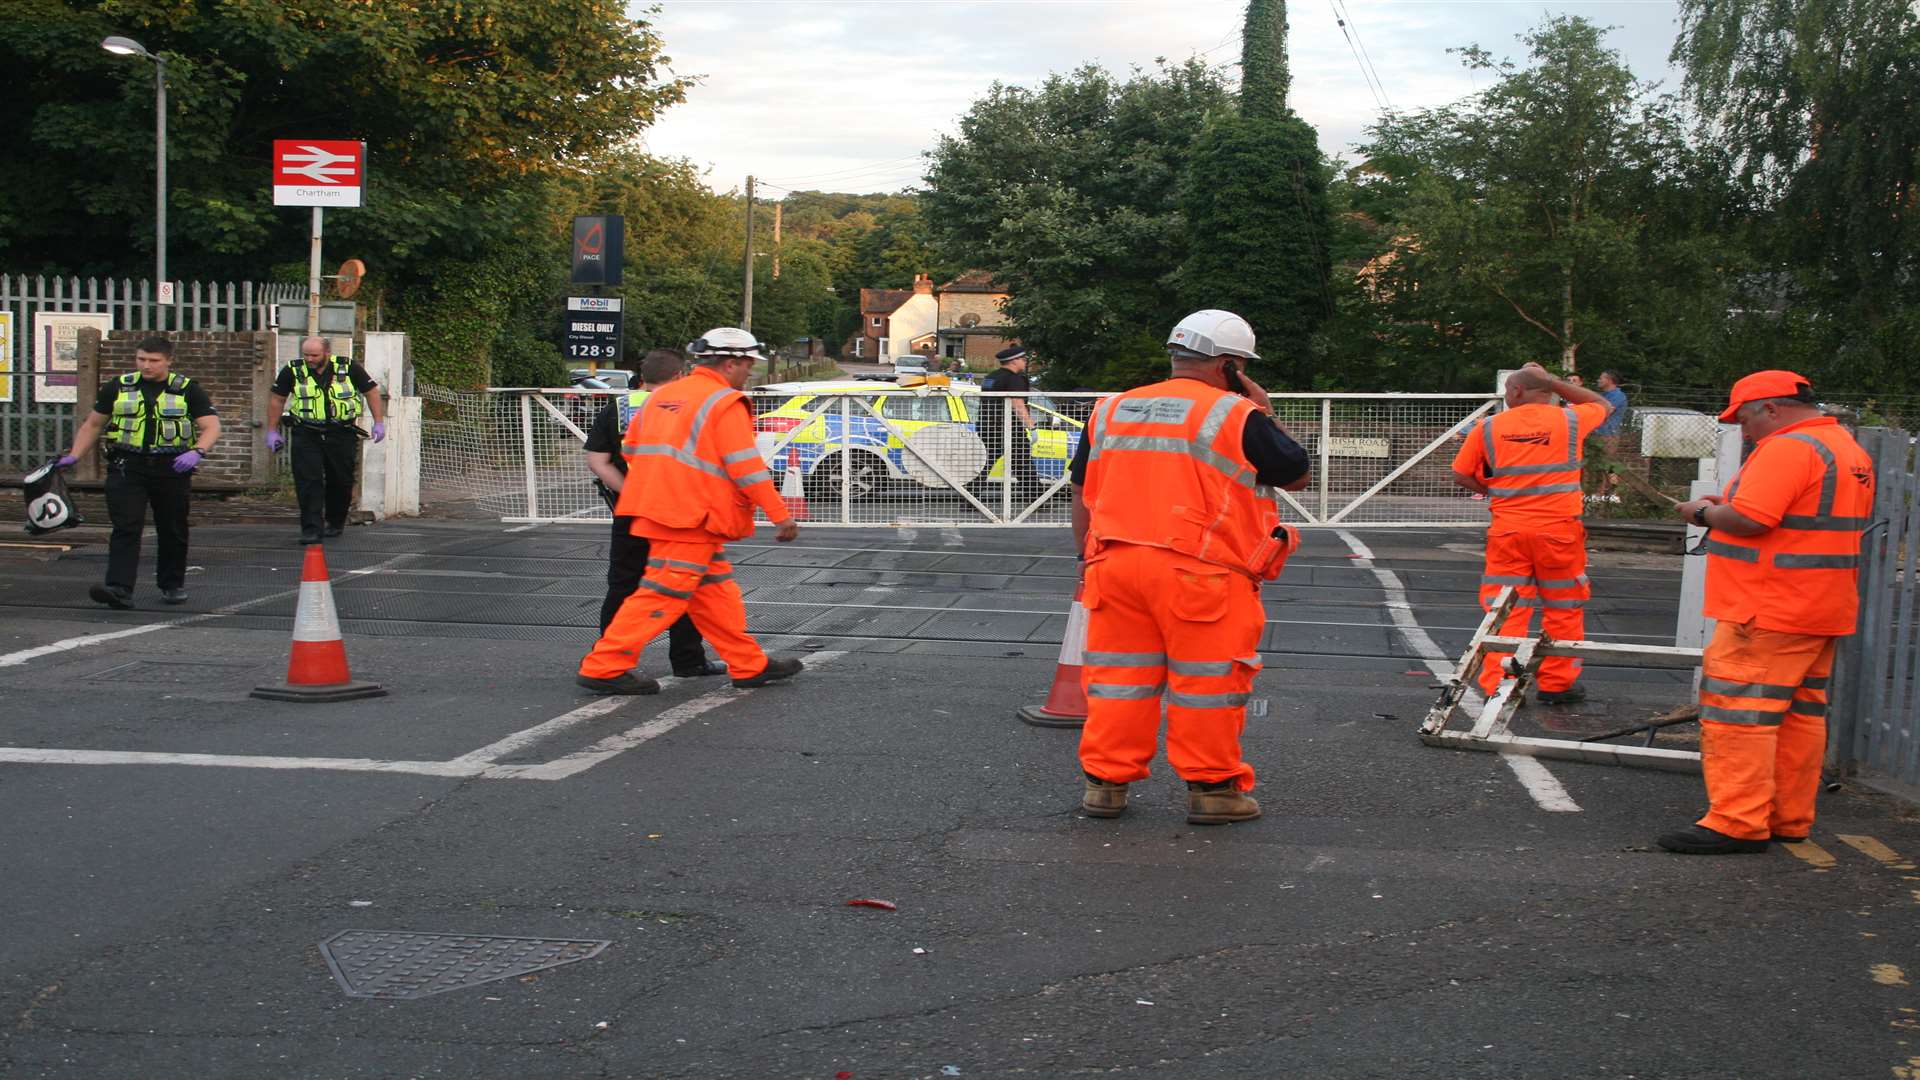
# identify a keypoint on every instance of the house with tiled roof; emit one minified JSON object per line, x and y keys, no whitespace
{"x":876,"y":314}
{"x":972,"y":323}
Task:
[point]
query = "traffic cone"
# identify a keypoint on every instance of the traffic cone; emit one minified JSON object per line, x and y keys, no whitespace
{"x":317,"y":667}
{"x":793,"y":492}
{"x":1066,"y":701}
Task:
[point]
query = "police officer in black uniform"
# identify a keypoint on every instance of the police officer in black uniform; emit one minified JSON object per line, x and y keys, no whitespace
{"x":157,"y":427}
{"x":325,"y":393}
{"x":627,"y":553}
{"x":1010,"y":377}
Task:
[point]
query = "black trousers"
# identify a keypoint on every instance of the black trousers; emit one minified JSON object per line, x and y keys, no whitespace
{"x":324,"y":457}
{"x":135,"y":482}
{"x":1019,"y":456}
{"x":626,"y":565}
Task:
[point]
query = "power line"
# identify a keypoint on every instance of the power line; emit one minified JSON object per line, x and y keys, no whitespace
{"x":1378,"y":94}
{"x":1363,"y":52}
{"x":871,"y":166}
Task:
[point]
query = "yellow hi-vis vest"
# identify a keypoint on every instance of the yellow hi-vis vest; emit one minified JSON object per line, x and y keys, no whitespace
{"x":127,"y":423}
{"x":339,"y":401}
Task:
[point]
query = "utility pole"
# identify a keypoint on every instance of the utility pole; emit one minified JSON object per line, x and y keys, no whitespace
{"x":777,"y":207}
{"x":746,"y":291}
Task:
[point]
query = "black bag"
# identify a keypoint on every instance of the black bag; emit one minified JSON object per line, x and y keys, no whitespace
{"x":48,"y":506}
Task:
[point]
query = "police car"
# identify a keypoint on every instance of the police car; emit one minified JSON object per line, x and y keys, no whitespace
{"x":926,"y":432}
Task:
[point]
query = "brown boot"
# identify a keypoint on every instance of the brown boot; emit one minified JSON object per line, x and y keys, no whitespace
{"x":1218,"y":804}
{"x":1103,"y":798}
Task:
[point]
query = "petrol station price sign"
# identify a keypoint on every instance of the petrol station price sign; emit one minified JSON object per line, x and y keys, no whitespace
{"x":592,"y":329}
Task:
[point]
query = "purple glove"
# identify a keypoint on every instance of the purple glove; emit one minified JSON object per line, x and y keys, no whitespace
{"x":66,"y":461}
{"x":185,"y":462}
{"x":379,"y":430}
{"x":274,"y":440}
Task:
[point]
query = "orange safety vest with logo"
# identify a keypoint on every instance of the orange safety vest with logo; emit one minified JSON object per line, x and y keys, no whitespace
{"x":1165,"y":469}
{"x":683,"y":473}
{"x":1533,"y":464}
{"x":1802,"y":576}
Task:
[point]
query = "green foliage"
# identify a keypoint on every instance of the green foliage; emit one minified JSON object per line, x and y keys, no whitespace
{"x":1264,"y":75}
{"x":1069,"y":195}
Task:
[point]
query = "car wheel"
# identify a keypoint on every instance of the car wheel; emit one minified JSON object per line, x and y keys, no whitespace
{"x":867,"y":473}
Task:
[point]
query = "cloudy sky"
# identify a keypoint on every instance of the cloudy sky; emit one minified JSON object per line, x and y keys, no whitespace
{"x":844,"y":95}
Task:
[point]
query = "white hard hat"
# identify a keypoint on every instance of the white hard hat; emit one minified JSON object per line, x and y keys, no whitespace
{"x":728,"y":341}
{"x":1214,"y":333}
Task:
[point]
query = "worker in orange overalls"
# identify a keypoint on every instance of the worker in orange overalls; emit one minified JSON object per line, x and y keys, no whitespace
{"x":1527,"y":461}
{"x":1174,"y":516}
{"x":1783,"y":562}
{"x":694,"y":477}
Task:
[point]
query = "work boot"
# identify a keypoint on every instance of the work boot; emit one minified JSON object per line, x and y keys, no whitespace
{"x":334,"y":530}
{"x":624,"y":683}
{"x":707,"y":667}
{"x":117,"y":599}
{"x":1103,"y":798}
{"x":1779,"y":838}
{"x":1700,"y":840}
{"x":173,"y":596}
{"x":1219,"y":804}
{"x":776,"y":669}
{"x":310,"y":536}
{"x":1569,"y":696}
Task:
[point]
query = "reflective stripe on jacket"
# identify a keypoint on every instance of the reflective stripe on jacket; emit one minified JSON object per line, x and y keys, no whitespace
{"x":692,"y":462}
{"x":127,"y":423}
{"x":1165,"y":468}
{"x":311,"y":404}
{"x":1533,"y":462}
{"x":1800,"y":577}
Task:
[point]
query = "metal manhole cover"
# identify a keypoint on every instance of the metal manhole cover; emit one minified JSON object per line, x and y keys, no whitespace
{"x":398,"y":965}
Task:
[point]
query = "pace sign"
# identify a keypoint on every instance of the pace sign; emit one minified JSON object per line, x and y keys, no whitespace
{"x":318,"y":172}
{"x":599,"y":249}
{"x":592,"y":329}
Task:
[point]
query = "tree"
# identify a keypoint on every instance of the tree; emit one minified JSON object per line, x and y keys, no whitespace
{"x":1069,"y":195}
{"x":1256,"y":210}
{"x":1557,"y":215}
{"x":1814,"y":101}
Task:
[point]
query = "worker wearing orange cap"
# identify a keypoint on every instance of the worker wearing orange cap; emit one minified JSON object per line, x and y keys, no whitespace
{"x":1527,"y":461}
{"x":1173,"y":514}
{"x":1783,"y":558}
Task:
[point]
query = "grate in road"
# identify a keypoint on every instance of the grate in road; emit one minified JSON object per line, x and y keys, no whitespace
{"x":398,"y":965}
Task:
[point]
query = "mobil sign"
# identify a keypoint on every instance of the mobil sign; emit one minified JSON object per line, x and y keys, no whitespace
{"x":318,"y":172}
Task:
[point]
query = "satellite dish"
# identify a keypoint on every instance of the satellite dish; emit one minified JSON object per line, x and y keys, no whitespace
{"x":347,"y":281}
{"x":969,"y":320}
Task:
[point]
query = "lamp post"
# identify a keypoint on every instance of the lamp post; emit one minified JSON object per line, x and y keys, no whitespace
{"x":124,"y":46}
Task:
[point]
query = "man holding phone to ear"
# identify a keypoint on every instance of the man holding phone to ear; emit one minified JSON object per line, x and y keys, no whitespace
{"x":1174,"y":514}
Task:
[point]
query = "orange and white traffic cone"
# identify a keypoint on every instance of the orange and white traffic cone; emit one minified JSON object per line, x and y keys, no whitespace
{"x":1066,"y":701}
{"x":317,"y":667}
{"x":793,"y":491}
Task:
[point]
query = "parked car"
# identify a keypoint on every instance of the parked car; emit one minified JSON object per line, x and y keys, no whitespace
{"x":601,"y":379}
{"x":940,"y":421}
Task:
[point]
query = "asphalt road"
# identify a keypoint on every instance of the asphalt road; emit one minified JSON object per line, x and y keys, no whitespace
{"x":175,"y":851}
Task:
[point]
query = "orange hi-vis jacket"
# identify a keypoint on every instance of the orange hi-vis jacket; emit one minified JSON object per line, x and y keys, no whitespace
{"x":1812,"y":485}
{"x":1165,"y":469}
{"x":1530,"y":456}
{"x":693,"y":470}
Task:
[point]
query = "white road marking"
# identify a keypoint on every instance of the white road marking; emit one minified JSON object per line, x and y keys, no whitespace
{"x":908,"y":536}
{"x":520,"y":740}
{"x":15,"y":659}
{"x":33,"y":756}
{"x":1546,"y":790}
{"x":950,"y":537}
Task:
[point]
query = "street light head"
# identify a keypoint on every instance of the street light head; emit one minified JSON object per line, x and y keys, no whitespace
{"x":125,"y":46}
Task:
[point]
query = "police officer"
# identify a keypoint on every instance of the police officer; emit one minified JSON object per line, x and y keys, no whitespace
{"x":1010,"y":378}
{"x":158,"y":426}
{"x":1173,"y":516}
{"x":627,"y":553}
{"x":326,"y":393}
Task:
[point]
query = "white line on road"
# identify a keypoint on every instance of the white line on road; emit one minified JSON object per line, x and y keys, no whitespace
{"x":1546,"y":790}
{"x":15,"y":659}
{"x":22,"y":755}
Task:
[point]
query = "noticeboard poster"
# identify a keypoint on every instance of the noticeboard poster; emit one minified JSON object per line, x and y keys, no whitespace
{"x":56,"y":350}
{"x":8,"y":363}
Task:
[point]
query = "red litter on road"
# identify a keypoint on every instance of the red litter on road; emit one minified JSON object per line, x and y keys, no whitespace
{"x":883,"y":905}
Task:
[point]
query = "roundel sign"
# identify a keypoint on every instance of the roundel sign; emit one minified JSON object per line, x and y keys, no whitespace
{"x":48,"y":512}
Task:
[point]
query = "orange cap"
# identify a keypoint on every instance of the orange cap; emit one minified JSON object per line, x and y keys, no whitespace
{"x":1763,"y":384}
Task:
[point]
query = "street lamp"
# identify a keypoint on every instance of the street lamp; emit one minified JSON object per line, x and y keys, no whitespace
{"x":124,"y":46}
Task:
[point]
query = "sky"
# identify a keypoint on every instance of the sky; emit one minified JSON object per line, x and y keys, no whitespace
{"x":844,"y":95}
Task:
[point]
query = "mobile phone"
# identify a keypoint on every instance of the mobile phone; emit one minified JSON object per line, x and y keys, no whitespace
{"x":1231,"y":372}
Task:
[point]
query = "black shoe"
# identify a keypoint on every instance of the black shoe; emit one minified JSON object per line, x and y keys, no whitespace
{"x":1571,"y":694}
{"x":776,"y":669}
{"x":173,"y":596}
{"x":335,"y":530}
{"x":1700,"y":840}
{"x":707,"y":667}
{"x":117,"y":599}
{"x":309,"y":536}
{"x":1779,"y":839}
{"x":624,"y":683}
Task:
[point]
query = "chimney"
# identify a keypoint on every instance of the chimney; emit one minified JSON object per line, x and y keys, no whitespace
{"x":922,"y":284}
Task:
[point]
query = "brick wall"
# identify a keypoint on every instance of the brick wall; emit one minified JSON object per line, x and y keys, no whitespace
{"x":237,"y":372}
{"x":986,"y":305}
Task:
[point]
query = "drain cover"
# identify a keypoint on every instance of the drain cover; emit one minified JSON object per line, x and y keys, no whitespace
{"x":399,"y":966}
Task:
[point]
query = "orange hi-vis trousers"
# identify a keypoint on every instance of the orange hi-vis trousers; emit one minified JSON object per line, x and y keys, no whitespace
{"x":1160,"y":623}
{"x":682,"y":578}
{"x":1547,"y":567}
{"x":1763,"y":729}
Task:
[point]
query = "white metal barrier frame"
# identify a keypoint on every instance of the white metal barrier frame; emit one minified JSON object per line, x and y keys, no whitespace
{"x":887,"y":456}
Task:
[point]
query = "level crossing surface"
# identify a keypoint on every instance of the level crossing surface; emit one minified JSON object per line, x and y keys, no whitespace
{"x":177,"y":850}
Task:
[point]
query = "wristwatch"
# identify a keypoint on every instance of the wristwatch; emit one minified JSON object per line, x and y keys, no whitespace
{"x":1700,"y":516}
